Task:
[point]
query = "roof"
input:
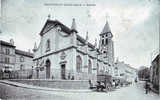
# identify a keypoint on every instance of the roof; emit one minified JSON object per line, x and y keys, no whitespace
{"x":6,"y":44}
{"x":65,"y":29}
{"x":55,"y":22}
{"x":24,"y":53}
{"x":81,"y":39}
{"x":106,"y":29}
{"x":156,"y":58}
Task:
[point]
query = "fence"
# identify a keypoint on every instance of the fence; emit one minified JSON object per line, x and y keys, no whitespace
{"x":16,"y":74}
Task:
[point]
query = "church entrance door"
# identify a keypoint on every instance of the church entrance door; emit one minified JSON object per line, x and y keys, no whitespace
{"x":63,"y":71}
{"x":48,"y":64}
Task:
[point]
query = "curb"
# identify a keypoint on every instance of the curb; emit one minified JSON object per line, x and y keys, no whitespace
{"x":16,"y":84}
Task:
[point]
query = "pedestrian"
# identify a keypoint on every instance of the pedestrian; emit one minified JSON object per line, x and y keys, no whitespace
{"x":147,"y":87}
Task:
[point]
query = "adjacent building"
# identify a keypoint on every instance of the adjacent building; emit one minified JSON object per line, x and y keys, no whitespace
{"x":63,"y":54}
{"x":155,"y":73}
{"x":7,"y":55}
{"x":14,"y":60}
{"x":124,"y":71}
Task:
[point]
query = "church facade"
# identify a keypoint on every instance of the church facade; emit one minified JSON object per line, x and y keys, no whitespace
{"x":63,"y":54}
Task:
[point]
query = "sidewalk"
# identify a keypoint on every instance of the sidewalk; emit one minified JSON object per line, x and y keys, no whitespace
{"x":16,"y":84}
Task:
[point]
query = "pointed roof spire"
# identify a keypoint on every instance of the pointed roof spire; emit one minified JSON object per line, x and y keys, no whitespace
{"x":73,"y":27}
{"x":35,"y":47}
{"x":95,"y":44}
{"x":106,"y":28}
{"x":87,"y":36}
{"x":49,"y":16}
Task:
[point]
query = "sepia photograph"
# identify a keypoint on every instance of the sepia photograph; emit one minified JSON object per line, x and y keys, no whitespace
{"x":79,"y":49}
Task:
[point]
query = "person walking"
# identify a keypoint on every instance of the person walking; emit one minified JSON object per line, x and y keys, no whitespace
{"x":147,"y":87}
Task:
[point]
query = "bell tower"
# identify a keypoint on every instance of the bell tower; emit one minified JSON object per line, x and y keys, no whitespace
{"x":106,"y":45}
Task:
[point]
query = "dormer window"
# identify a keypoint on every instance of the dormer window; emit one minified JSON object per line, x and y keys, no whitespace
{"x":48,"y":45}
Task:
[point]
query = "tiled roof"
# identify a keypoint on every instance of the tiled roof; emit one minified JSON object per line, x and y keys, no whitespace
{"x":24,"y":53}
{"x":6,"y":44}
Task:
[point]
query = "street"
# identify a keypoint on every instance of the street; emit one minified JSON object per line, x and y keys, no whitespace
{"x":133,"y":92}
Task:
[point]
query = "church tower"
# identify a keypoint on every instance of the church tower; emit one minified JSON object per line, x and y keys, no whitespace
{"x":106,"y":45}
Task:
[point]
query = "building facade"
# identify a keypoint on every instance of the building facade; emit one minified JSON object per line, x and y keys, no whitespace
{"x":125,"y":71}
{"x":63,"y":54}
{"x":12,"y":59}
{"x":7,"y":56}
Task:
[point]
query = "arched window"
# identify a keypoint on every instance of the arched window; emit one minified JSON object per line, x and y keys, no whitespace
{"x":79,"y":64}
{"x":89,"y":66}
{"x":48,"y":45}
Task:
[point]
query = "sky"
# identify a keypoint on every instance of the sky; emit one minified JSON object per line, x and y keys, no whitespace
{"x":134,"y":23}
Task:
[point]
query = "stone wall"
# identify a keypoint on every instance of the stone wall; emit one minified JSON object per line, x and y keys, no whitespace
{"x":61,"y":84}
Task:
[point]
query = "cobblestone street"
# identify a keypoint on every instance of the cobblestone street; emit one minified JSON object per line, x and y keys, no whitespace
{"x":133,"y":92}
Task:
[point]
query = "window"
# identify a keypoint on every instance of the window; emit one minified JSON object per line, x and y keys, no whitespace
{"x":21,"y":67}
{"x":106,"y":41}
{"x":122,"y":74}
{"x":7,"y":60}
{"x":106,"y":35}
{"x":89,"y":66}
{"x":48,"y":45}
{"x":79,"y":64}
{"x":7,"y":51}
{"x":21,"y":59}
{"x":102,"y":41}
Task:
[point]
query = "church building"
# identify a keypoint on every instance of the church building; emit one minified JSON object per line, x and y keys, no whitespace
{"x":63,"y":54}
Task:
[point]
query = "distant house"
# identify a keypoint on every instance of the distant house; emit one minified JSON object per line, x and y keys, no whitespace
{"x":12,"y":59}
{"x":124,"y":71}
